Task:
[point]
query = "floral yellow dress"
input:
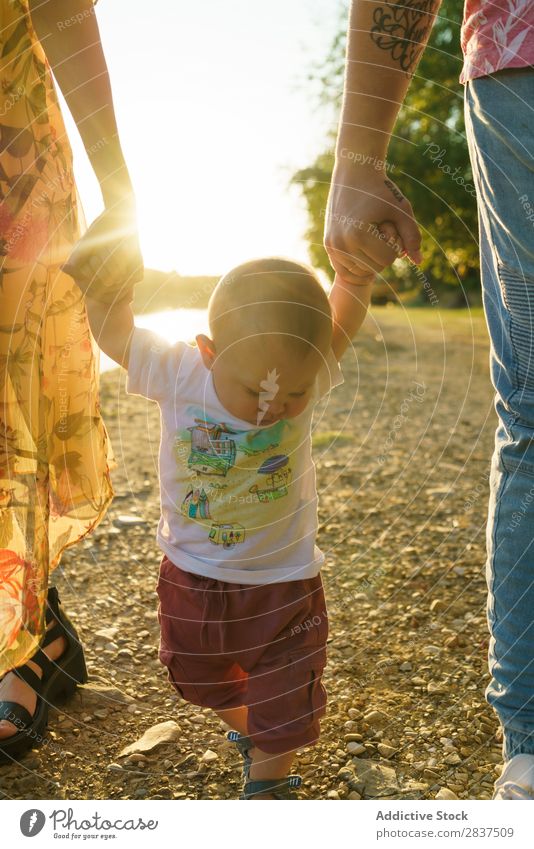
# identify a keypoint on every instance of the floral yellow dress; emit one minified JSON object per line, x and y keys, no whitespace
{"x":54,"y":451}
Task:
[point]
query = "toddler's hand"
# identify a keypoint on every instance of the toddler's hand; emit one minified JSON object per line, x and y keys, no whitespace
{"x":106,"y":262}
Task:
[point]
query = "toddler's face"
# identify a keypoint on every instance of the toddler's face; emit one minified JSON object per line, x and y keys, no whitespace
{"x":262,"y":386}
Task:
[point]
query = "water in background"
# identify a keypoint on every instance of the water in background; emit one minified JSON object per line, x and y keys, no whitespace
{"x":171,"y":325}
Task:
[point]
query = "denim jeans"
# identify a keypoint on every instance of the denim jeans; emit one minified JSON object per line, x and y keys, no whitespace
{"x":499,"y":113}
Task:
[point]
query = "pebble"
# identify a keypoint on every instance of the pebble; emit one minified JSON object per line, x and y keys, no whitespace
{"x":445,"y":793}
{"x":163,"y":732}
{"x":209,"y":756}
{"x":453,"y":759}
{"x":355,"y":748}
{"x":376,"y":717}
{"x":374,"y":780}
{"x":345,"y":774}
{"x":436,"y":687}
{"x":433,"y":649}
{"x":385,"y":750}
{"x":125,"y":521}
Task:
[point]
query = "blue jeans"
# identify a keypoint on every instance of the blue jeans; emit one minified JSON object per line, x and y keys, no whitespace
{"x":499,"y":112}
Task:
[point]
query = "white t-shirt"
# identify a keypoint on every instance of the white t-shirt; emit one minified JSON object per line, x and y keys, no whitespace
{"x":238,"y":501}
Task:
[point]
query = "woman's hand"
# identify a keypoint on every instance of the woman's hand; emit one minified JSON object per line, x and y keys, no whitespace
{"x":106,"y":262}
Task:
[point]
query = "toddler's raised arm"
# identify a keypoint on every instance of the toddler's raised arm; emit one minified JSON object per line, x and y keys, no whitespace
{"x":112,"y":326}
{"x":349,"y":301}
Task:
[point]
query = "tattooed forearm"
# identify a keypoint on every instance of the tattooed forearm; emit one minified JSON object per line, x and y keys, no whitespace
{"x":397,"y":194}
{"x":402,"y":28}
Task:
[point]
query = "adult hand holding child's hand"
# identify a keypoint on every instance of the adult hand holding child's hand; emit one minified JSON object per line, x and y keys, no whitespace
{"x":369,"y":223}
{"x":106,"y":262}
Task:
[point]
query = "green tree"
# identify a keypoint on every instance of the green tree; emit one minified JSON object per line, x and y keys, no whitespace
{"x":427,"y":157}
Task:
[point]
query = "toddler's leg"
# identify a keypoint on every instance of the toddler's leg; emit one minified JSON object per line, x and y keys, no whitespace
{"x":236,"y":718}
{"x":264,"y":765}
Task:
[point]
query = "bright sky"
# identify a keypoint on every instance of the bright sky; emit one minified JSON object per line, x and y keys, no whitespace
{"x":215,"y":115}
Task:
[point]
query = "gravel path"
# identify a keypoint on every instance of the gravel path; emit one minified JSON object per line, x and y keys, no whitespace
{"x":402,"y":452}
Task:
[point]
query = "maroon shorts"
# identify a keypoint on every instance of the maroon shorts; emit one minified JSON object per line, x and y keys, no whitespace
{"x":263,"y":646}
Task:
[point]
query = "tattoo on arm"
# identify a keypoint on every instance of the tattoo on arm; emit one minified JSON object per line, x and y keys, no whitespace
{"x":402,"y":28}
{"x":397,"y":194}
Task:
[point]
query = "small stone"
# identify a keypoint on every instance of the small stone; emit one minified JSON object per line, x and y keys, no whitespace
{"x":352,"y":713}
{"x":106,"y":633}
{"x":345,"y":774}
{"x":209,"y":756}
{"x":137,"y":759}
{"x":354,"y":795}
{"x":332,"y":794}
{"x":124,"y":521}
{"x":141,"y":792}
{"x":385,"y":750}
{"x":437,"y":606}
{"x":101,"y":714}
{"x":376,"y":717}
{"x":100,"y":695}
{"x":437,"y":687}
{"x":452,"y":759}
{"x":163,"y":732}
{"x":374,"y":780}
{"x":431,"y":775}
{"x":115,"y":767}
{"x":355,"y":748}
{"x":406,"y":666}
{"x":445,"y":793}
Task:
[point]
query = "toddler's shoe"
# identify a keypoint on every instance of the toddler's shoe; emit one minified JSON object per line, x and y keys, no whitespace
{"x":517,"y":779}
{"x":274,"y":788}
{"x":243,"y":744}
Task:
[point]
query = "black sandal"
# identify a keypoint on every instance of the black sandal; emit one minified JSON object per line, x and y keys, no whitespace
{"x":59,"y":680}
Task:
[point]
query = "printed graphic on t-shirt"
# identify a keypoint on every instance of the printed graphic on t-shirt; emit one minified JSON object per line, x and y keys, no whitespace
{"x":225,"y":475}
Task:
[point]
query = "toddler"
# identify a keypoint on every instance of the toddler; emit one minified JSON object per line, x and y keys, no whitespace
{"x":241,"y":605}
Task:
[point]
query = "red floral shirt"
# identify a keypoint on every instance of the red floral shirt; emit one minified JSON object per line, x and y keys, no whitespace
{"x":496,"y":35}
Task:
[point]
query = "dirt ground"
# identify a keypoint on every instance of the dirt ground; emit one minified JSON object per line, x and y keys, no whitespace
{"x":402,"y":452}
